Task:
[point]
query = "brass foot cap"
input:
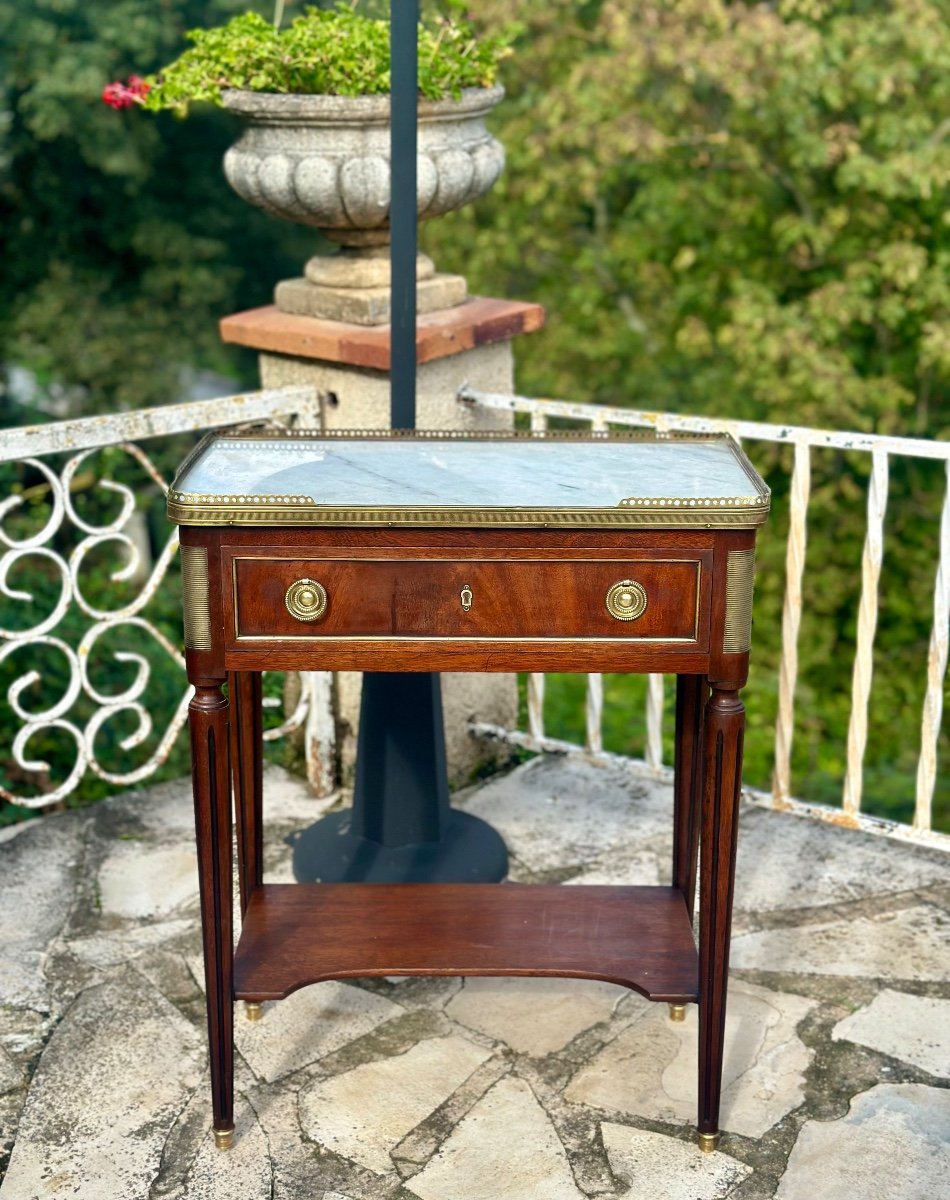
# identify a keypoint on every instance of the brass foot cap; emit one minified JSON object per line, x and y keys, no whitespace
{"x":708,"y":1142}
{"x":677,"y":1012}
{"x":254,"y":1011}
{"x":224,"y":1138}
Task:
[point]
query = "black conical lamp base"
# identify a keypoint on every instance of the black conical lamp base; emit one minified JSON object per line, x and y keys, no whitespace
{"x":401,"y":827}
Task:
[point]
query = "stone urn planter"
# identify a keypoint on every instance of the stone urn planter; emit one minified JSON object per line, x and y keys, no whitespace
{"x":323,"y":161}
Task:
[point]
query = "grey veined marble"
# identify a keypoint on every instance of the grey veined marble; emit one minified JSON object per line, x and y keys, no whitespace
{"x":472,"y":474}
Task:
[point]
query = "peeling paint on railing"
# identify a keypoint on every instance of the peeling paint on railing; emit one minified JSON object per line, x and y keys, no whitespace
{"x":109,"y":429}
{"x":936,"y":673}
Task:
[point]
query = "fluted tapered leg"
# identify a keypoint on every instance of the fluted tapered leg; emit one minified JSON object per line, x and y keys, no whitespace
{"x":691,"y":692}
{"x":208,"y":725}
{"x":244,"y":689}
{"x":723,"y":736}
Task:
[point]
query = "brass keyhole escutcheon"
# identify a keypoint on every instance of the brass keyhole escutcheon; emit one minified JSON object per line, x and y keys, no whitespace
{"x":466,"y":597}
{"x":626,"y":600}
{"x":306,"y":600}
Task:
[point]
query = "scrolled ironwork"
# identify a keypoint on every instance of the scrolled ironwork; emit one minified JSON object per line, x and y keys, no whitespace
{"x":55,"y":624}
{"x":48,"y":550}
{"x":89,"y":698}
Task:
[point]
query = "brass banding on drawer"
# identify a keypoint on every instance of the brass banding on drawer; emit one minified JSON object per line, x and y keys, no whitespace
{"x":649,"y":599}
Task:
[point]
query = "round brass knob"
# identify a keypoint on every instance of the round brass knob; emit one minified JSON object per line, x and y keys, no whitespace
{"x":306,"y":600}
{"x":626,"y":600}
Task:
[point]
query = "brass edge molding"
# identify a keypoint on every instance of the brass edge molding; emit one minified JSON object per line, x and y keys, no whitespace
{"x":242,"y":433}
{"x":735,"y":513}
{"x":681,"y":502}
{"x":740,"y":575}
{"x":477,"y":640}
{"x":721,"y":512}
{"x":326,"y":554}
{"x":196,"y":605}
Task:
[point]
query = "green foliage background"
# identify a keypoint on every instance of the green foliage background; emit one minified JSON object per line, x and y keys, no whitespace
{"x":121,"y":242}
{"x":730,"y":209}
{"x":740,"y":210}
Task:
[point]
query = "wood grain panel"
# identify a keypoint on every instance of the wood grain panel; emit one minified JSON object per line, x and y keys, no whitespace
{"x":463,"y":654}
{"x":509,"y":598}
{"x":298,"y":934}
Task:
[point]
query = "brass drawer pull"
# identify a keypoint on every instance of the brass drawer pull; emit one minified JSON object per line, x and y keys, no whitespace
{"x":466,"y":596}
{"x":626,"y":600}
{"x":306,"y":600}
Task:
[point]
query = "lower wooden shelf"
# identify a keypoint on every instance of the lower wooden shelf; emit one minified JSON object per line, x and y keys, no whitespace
{"x":296,"y":934}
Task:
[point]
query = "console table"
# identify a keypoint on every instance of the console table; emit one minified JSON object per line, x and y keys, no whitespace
{"x":454,"y":552}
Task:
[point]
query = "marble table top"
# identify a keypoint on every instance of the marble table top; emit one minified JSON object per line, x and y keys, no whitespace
{"x":436,"y":478}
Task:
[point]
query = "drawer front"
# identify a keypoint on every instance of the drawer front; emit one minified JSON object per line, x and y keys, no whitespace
{"x":650,"y":599}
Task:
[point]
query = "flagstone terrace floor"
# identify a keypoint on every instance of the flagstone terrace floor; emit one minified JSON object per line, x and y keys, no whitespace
{"x":837,"y":1080}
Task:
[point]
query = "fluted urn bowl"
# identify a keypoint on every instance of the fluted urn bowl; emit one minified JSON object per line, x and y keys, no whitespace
{"x":324,"y":160}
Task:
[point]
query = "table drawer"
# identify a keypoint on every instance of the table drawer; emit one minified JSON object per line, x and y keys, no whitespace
{"x":648,"y":599}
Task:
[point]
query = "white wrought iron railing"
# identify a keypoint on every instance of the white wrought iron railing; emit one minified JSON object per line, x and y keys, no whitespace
{"x":804,"y":441}
{"x":82,"y":712}
{"x":59,"y":453}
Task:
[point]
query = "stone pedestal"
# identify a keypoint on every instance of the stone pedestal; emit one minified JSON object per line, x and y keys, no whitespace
{"x":348,"y":366}
{"x":355,"y":286}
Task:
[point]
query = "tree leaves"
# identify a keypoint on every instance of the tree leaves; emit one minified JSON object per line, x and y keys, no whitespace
{"x":739,"y":210}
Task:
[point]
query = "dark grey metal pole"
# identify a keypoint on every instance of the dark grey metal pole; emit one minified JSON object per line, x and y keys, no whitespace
{"x":401,"y":827}
{"x":404,"y":35}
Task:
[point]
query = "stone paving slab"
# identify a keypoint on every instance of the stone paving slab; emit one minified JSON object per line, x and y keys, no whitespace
{"x":506,"y":1146}
{"x":307,"y":1026}
{"x":37,"y":883}
{"x":365,"y":1113}
{"x":912,"y":943}
{"x":192,"y":1168}
{"x":913,"y":1028}
{"x":650,"y":1069}
{"x":133,"y":885}
{"x":441,"y":1089}
{"x":534,"y":1016}
{"x":665,"y":1169}
{"x":894,"y":1144}
{"x":105,"y":1095}
{"x":563,"y":815}
{"x":807,"y":868}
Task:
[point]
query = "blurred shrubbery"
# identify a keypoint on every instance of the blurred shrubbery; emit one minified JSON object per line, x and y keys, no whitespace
{"x":741,"y":210}
{"x":121,"y":244}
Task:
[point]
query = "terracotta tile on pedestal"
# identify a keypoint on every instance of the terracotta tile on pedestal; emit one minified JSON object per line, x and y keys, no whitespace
{"x":480,"y":321}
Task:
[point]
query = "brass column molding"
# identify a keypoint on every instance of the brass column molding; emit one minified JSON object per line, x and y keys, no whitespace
{"x":194,"y":586}
{"x":740,"y":574}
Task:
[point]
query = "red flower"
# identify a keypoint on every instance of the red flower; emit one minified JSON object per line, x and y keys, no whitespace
{"x":124,"y":95}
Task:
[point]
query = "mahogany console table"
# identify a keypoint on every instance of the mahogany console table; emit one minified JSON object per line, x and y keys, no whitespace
{"x":455,"y":552}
